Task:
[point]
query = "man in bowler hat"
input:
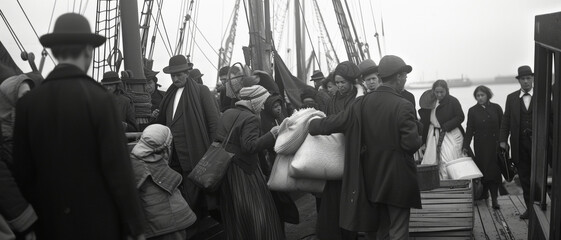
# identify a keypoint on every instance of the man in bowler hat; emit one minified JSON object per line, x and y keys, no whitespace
{"x":189,"y":111}
{"x":70,"y":154}
{"x":517,"y":123}
{"x":382,"y":135}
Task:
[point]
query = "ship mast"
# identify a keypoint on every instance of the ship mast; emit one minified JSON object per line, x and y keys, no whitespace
{"x":260,"y":35}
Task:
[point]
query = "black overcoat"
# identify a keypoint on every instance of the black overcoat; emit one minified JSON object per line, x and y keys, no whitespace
{"x":381,"y":136}
{"x":449,"y":114}
{"x":72,"y":162}
{"x":510,"y":124}
{"x":483,"y":127}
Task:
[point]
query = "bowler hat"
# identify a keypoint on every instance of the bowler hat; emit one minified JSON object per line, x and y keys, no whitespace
{"x":390,"y":65}
{"x":195,"y":73}
{"x":110,"y":77}
{"x":71,"y":28}
{"x":367,"y":67}
{"x":524,"y":71}
{"x":317,"y":76}
{"x":178,"y":63}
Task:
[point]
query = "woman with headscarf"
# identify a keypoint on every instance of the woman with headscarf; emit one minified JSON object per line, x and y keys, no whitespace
{"x":345,"y":76}
{"x":247,"y":208}
{"x":166,"y":212}
{"x":444,"y":129}
{"x":483,"y":125}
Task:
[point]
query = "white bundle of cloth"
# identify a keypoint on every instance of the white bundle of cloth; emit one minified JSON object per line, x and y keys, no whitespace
{"x":294,"y":129}
{"x":320,"y":157}
{"x":281,"y":181}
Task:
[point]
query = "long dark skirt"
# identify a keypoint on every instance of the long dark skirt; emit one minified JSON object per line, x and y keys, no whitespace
{"x":247,"y":208}
{"x":327,"y":227}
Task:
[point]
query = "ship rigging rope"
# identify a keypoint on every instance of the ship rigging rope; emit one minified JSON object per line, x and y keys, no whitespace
{"x":52,"y":14}
{"x":309,"y":37}
{"x":165,"y":29}
{"x":362,"y":21}
{"x":193,"y":32}
{"x":162,"y":37}
{"x":85,"y":7}
{"x":212,"y":64}
{"x":37,"y":35}
{"x":12,"y":32}
{"x":206,"y":40}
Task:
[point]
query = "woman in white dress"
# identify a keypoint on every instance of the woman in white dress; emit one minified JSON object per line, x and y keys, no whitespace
{"x":443,"y":132}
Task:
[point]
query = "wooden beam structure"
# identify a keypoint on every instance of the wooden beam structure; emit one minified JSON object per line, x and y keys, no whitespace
{"x":545,"y":214}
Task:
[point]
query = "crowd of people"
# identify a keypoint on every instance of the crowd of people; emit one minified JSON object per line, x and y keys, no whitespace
{"x":66,"y":171}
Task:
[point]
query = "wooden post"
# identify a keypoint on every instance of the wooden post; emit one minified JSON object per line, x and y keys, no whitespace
{"x":261,"y":49}
{"x":131,"y":44}
{"x":300,"y":43}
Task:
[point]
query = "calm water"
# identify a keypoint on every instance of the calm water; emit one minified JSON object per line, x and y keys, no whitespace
{"x":465,"y":95}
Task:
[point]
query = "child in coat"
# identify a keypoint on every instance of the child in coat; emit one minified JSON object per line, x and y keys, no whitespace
{"x":166,"y":212}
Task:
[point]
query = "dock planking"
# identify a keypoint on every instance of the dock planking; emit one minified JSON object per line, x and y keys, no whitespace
{"x":447,"y":212}
{"x":504,"y":223}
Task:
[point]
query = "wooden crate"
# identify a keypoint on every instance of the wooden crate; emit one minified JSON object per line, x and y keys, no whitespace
{"x":447,"y":212}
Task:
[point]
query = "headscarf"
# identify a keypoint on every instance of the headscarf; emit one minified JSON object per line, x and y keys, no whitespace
{"x":154,"y":144}
{"x":348,"y":70}
{"x":253,"y":97}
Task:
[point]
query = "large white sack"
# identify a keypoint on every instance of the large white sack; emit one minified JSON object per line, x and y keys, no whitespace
{"x":282,"y":182}
{"x":320,"y":157}
{"x":293,"y":130}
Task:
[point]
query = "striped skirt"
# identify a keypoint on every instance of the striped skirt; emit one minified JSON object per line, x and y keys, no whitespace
{"x":247,"y":208}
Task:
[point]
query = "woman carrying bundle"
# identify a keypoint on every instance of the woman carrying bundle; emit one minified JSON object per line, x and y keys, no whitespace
{"x":247,"y":208}
{"x":443,"y":133}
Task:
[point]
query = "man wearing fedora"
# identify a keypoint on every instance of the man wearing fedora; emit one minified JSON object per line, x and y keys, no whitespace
{"x":517,"y":123}
{"x":189,"y":111}
{"x":113,"y":83}
{"x":317,"y":78}
{"x":70,"y":154}
{"x":152,"y":88}
{"x":380,"y":144}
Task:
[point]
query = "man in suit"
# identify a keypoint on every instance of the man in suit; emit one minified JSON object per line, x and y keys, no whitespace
{"x":189,"y":111}
{"x":517,"y":122}
{"x":70,"y":155}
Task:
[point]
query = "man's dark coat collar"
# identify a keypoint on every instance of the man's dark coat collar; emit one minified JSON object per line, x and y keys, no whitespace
{"x":63,"y":71}
{"x":387,"y":89}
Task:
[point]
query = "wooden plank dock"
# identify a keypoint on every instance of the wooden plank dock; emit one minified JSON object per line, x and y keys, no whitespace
{"x":488,"y":223}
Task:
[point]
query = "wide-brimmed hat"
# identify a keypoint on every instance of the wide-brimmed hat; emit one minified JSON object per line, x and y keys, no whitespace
{"x":195,"y":73}
{"x":427,"y":100}
{"x":71,"y":28}
{"x":367,"y":67}
{"x":524,"y":71}
{"x":110,"y":77}
{"x":317,"y":76}
{"x":390,"y":65}
{"x":177,"y":64}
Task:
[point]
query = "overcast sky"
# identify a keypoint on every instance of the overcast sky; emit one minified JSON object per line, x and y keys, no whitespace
{"x":439,"y":38}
